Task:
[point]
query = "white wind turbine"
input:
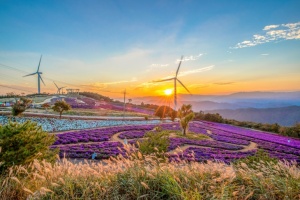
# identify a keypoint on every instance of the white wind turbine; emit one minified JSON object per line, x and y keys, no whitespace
{"x":175,"y":81}
{"x":58,"y":88}
{"x":39,"y":76}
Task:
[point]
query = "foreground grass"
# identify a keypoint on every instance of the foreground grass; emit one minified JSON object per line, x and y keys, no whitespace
{"x":146,"y":177}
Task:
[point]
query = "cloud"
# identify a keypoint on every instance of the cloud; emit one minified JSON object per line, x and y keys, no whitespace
{"x":264,"y":54}
{"x":194,"y":71}
{"x":185,"y":58}
{"x":270,"y":27}
{"x":156,"y":66}
{"x":185,"y":73}
{"x":224,"y":83}
{"x":290,"y":31}
{"x":159,"y":65}
{"x":190,"y":58}
{"x":99,"y":85}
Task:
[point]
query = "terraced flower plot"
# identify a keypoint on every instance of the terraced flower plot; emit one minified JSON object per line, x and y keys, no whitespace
{"x":223,"y":142}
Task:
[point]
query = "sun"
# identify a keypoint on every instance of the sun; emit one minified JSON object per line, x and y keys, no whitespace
{"x":168,"y":92}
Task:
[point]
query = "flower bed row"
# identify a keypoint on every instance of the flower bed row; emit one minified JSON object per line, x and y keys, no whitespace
{"x":266,"y":141}
{"x":202,"y":154}
{"x":274,"y":138}
{"x":98,"y":135}
{"x":103,"y":150}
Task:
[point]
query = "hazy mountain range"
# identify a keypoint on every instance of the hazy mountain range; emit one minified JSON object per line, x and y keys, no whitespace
{"x":264,"y":107}
{"x":285,"y":116}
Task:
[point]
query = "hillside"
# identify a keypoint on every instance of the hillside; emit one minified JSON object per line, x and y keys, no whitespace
{"x":285,"y":116}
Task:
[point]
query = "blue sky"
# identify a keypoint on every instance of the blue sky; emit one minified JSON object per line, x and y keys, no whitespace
{"x":230,"y":46}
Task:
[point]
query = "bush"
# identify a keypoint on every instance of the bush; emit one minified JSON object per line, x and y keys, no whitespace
{"x":259,"y":156}
{"x":157,"y":142}
{"x":209,"y":117}
{"x":20,"y":106}
{"x":165,"y":111}
{"x":173,"y":115}
{"x":185,"y":114}
{"x":22,"y":143}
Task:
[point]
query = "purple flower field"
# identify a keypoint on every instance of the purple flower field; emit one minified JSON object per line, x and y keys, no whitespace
{"x":226,"y":142}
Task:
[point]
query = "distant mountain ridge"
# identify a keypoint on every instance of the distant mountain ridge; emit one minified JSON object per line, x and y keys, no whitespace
{"x":285,"y":116}
{"x":265,"y":107}
{"x":231,"y":101}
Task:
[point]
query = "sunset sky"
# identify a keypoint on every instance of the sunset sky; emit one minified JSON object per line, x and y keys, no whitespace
{"x":109,"y":46}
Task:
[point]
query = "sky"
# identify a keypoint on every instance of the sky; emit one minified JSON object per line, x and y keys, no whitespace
{"x":109,"y":46}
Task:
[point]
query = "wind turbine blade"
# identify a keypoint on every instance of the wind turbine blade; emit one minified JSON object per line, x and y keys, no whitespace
{"x":55,"y":85}
{"x":41,"y":79}
{"x":30,"y":74}
{"x":39,"y":64}
{"x":183,"y":86}
{"x":179,"y":66}
{"x":169,"y":79}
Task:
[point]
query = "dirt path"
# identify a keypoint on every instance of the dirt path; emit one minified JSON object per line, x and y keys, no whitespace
{"x":250,"y":147}
{"x":116,"y":138}
{"x":182,"y":148}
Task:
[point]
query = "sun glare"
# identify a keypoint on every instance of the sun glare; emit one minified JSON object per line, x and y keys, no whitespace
{"x":168,"y":91}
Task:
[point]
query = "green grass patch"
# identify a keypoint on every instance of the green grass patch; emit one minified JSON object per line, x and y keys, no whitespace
{"x":259,"y":156}
{"x":189,"y":135}
{"x":155,"y":142}
{"x":192,"y":136}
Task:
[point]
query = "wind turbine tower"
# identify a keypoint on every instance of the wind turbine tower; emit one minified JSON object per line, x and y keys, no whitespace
{"x":39,"y":76}
{"x":175,"y":79}
{"x":58,"y":88}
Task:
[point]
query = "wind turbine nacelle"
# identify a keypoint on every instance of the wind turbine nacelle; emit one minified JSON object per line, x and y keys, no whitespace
{"x":40,"y":72}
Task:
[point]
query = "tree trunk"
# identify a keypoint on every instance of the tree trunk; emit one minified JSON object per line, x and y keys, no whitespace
{"x":184,"y":131}
{"x":60,"y":114}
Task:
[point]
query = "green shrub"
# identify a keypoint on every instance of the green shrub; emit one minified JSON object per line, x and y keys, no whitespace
{"x":186,"y":115}
{"x":156,"y":142}
{"x":165,"y":111}
{"x":20,"y":106}
{"x":209,"y":117}
{"x":158,"y":128}
{"x":173,"y":115}
{"x":191,"y":135}
{"x":259,"y":156}
{"x":22,"y":143}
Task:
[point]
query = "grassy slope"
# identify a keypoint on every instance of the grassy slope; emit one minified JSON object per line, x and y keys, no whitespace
{"x":146,"y":177}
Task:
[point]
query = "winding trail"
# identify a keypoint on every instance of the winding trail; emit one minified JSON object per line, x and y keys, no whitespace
{"x":115,"y":138}
{"x":251,"y":146}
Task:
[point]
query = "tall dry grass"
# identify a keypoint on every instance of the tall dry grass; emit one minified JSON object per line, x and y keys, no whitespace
{"x":146,"y":177}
